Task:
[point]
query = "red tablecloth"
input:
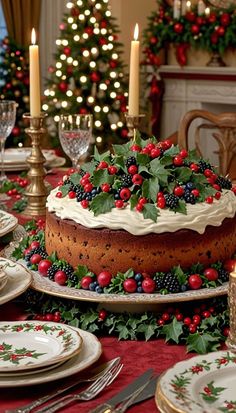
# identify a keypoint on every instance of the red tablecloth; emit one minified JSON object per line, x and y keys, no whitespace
{"x":137,"y":356}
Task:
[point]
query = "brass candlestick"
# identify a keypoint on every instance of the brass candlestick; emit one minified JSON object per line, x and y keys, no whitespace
{"x":133,"y":123}
{"x":231,"y":340}
{"x":36,"y":191}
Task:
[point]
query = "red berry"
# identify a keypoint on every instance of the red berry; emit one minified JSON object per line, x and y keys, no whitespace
{"x":195,"y":192}
{"x":178,"y":160}
{"x":230,"y":265}
{"x":71,"y":194}
{"x":194,"y":167}
{"x":26,"y":251}
{"x":133,"y":169}
{"x":165,"y":316}
{"x":226,"y":331}
{"x":145,"y":151}
{"x":196,"y":319}
{"x":160,"y":322}
{"x":57,"y":318}
{"x":217,"y":195}
{"x":179,"y":317}
{"x":208,"y":173}
{"x":59,"y":194}
{"x":142,"y":201}
{"x":137,"y":179}
{"x":192,"y":328}
{"x":206,"y":314}
{"x":84,"y":203}
{"x":35,"y":259}
{"x":34,"y":244}
{"x":102,"y":314}
{"x":112,"y":170}
{"x":102,"y":165}
{"x":135,"y":148}
{"x":43,"y":267}
{"x":148,"y":285}
{"x":119,"y":203}
{"x":60,"y":277}
{"x":217,"y":187}
{"x":85,"y":281}
{"x":155,"y":153}
{"x":125,"y":194}
{"x":161,"y":203}
{"x":183,"y":153}
{"x":105,"y":187}
{"x":130,"y":285}
{"x":49,"y":317}
{"x":178,"y":190}
{"x":209,"y":200}
{"x":211,"y":274}
{"x":139,"y":207}
{"x":150,"y":146}
{"x":187,"y":321}
{"x":18,"y":196}
{"x":104,"y":278}
{"x":84,"y":181}
{"x":88,"y":187}
{"x":195,"y":281}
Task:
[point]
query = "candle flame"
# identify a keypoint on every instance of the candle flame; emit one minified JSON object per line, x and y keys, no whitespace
{"x":188,"y":4}
{"x":207,"y":11}
{"x":136,"y":32}
{"x":33,"y":36}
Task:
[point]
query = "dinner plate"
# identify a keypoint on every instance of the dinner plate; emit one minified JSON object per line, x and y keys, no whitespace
{"x":36,"y":370}
{"x":3,"y":277}
{"x":18,"y":155}
{"x":90,"y":352}
{"x":19,"y":279}
{"x":202,"y":384}
{"x":29,"y":344}
{"x":7,"y":223}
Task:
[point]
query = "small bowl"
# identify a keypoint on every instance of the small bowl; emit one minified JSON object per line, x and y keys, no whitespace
{"x":3,"y":277}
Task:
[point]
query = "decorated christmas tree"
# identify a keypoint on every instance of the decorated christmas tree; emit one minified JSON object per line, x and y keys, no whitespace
{"x":14,"y":75}
{"x":87,"y":76}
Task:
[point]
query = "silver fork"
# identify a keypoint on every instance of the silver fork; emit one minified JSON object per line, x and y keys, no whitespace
{"x":93,"y":375}
{"x":92,"y":391}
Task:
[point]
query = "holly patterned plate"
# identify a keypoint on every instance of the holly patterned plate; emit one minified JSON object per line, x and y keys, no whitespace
{"x":29,"y":344}
{"x":18,"y":280}
{"x":202,"y":384}
{"x":7,"y":223}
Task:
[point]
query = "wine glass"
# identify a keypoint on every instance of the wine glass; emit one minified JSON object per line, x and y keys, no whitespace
{"x":75,"y":134}
{"x":7,"y":121}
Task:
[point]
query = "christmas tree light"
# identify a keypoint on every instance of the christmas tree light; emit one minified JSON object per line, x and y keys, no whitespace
{"x":87,"y":76}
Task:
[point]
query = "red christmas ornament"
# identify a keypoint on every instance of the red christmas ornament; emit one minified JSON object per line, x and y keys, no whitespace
{"x":26,"y":80}
{"x":102,"y":41}
{"x":16,"y":131}
{"x":8,"y":85}
{"x":19,"y":74}
{"x":225,"y":19}
{"x":113,"y":64}
{"x":153,"y":40}
{"x":95,"y":77}
{"x":178,"y":28}
{"x":190,"y":16}
{"x":51,"y":69}
{"x":62,"y":26}
{"x":214,"y":38}
{"x":103,"y":24}
{"x":75,"y":12}
{"x":89,"y":30}
{"x":220,"y":31}
{"x":200,"y":20}
{"x":155,"y":60}
{"x":212,"y":18}
{"x":195,"y":29}
{"x":83,"y":111}
{"x":69,"y":70}
{"x":124,"y":133}
{"x":63,"y":86}
{"x":67,"y":50}
{"x":123,"y":108}
{"x":18,"y":53}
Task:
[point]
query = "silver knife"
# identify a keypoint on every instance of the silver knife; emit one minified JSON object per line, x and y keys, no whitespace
{"x":123,"y":394}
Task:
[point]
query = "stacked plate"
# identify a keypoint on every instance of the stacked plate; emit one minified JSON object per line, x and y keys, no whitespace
{"x":7,"y":223}
{"x":33,"y":352}
{"x":15,"y":159}
{"x":14,"y":280}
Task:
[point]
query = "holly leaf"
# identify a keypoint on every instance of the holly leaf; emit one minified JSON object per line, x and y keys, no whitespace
{"x":183,"y":174}
{"x":150,"y":211}
{"x":101,"y":176}
{"x":64,"y":189}
{"x":119,"y":162}
{"x":142,"y":159}
{"x":172,"y":151}
{"x":102,"y":203}
{"x":181,"y":207}
{"x":89,"y":167}
{"x":150,"y":188}
{"x":166,"y":160}
{"x":133,"y":200}
{"x":53,"y":257}
{"x":81,"y":271}
{"x":100,"y":156}
{"x":75,"y":178}
{"x":193,"y":156}
{"x":202,"y":343}
{"x":159,"y":171}
{"x":20,"y":205}
{"x":173,"y":330}
{"x":121,"y":149}
{"x":182,"y":277}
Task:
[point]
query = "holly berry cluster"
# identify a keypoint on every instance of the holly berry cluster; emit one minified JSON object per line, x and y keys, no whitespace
{"x":146,"y":175}
{"x":213,"y":33}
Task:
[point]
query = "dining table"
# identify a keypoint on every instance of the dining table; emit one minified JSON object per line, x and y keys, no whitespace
{"x":136,"y":356}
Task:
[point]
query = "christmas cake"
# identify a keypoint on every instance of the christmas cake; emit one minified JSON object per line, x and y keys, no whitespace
{"x":148,"y":206}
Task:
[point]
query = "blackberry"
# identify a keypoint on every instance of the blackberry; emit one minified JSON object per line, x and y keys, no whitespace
{"x":159,"y":283}
{"x":190,"y":186}
{"x":39,"y":250}
{"x":203,"y":165}
{"x":171,"y":283}
{"x":79,"y":195}
{"x":53,"y":269}
{"x":67,"y":181}
{"x":88,"y":196}
{"x":171,"y":201}
{"x":126,"y":181}
{"x":130,"y":161}
{"x":223,"y":182}
{"x":223,"y":275}
{"x":82,"y":173}
{"x":73,"y":279}
{"x":117,"y":195}
{"x":190,"y":198}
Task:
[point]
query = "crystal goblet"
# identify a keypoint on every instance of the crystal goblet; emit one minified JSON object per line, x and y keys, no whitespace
{"x":75,"y":134}
{"x":7,"y":121}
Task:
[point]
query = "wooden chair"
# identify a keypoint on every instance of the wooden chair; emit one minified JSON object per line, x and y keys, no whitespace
{"x":224,"y":125}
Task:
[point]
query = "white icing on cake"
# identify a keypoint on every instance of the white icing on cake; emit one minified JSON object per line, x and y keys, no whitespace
{"x":198,"y":216}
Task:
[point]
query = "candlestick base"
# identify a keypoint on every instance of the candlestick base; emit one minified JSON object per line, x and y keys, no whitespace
{"x":133,"y":123}
{"x":36,"y":191}
{"x":231,"y":340}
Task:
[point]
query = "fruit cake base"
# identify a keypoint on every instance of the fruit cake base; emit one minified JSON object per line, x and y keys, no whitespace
{"x":118,"y":250}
